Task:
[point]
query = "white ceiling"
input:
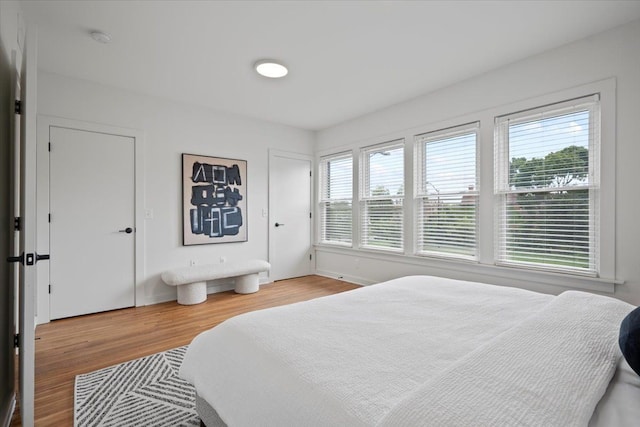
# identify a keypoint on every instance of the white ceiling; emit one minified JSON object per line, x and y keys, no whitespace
{"x":346,"y":58}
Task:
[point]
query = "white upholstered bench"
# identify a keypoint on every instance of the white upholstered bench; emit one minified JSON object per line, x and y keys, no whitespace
{"x":192,"y":281}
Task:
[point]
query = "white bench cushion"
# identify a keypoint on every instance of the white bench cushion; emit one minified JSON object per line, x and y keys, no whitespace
{"x":202,"y":273}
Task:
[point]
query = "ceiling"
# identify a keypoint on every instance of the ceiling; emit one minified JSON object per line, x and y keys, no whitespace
{"x":345,"y":58}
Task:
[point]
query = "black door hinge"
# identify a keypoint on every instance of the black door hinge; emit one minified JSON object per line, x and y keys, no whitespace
{"x":309,"y":257}
{"x":49,"y":147}
{"x":17,"y":223}
{"x":17,"y":106}
{"x":16,"y":341}
{"x":49,"y":288}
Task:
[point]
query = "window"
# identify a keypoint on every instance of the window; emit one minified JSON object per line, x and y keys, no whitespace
{"x":547,"y":187}
{"x":336,"y":188}
{"x":446,"y":192}
{"x":381,"y":196}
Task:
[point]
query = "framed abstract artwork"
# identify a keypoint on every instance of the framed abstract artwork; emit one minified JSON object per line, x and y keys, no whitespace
{"x":214,"y":200}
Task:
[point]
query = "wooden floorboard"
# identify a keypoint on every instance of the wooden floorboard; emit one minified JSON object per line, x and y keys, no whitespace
{"x":67,"y":347}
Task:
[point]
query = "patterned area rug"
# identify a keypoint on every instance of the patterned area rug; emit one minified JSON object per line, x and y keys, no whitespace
{"x":141,"y":392}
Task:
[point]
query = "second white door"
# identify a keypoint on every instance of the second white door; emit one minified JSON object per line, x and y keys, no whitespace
{"x":290,"y":228}
{"x":92,"y":230}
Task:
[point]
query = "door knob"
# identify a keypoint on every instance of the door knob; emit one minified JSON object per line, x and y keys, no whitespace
{"x":127,"y":230}
{"x":42,"y":257}
{"x":278,"y":224}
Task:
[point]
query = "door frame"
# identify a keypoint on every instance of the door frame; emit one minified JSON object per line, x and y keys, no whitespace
{"x":13,"y":285}
{"x":296,"y":156}
{"x":28,"y":230}
{"x":45,"y":122}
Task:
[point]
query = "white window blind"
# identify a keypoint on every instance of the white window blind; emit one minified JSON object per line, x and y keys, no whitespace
{"x":381,"y":196}
{"x":446,"y":192}
{"x":547,"y":187}
{"x":336,"y":195}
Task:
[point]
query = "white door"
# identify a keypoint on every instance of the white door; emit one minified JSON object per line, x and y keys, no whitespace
{"x":25,"y":188}
{"x":290,"y":216}
{"x":13,"y":286}
{"x":92,"y":235}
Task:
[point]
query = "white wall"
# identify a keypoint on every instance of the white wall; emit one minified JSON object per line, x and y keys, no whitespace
{"x":169,"y":130}
{"x":614,"y":54}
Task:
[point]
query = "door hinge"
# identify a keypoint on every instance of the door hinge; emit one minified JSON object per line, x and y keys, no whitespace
{"x":17,"y":106}
{"x":309,"y":257}
{"x":16,"y":341}
{"x":309,"y":215}
{"x":49,"y":288}
{"x":17,"y":222}
{"x":49,"y":218}
{"x":49,"y":147}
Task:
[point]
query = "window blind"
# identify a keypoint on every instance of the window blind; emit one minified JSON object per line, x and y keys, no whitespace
{"x":336,"y":195}
{"x":546,"y":187}
{"x":382,"y":196}
{"x":446,"y":192}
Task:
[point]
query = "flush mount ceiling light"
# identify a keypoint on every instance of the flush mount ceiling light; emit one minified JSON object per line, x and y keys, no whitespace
{"x":270,"y":68}
{"x":101,"y":37}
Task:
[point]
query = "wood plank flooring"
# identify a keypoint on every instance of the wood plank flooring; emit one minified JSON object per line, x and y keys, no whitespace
{"x":67,"y":347}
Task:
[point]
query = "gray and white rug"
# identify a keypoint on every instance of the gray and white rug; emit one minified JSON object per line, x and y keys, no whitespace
{"x":141,"y":392}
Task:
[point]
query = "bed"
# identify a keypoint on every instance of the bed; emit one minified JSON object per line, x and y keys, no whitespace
{"x":419,"y":350}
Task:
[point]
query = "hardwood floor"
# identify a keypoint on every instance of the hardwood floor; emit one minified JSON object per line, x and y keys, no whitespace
{"x":67,"y":347}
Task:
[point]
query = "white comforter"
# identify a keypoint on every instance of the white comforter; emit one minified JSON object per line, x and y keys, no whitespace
{"x":412,"y":351}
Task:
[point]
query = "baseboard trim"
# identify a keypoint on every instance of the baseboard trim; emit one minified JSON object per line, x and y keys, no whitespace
{"x":345,"y":277}
{"x":159,"y":299}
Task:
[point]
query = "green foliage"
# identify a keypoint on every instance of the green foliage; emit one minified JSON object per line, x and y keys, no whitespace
{"x":557,"y":169}
{"x":549,"y":228}
{"x":455,"y":221}
{"x":568,"y":164}
{"x":339,"y":215}
{"x":384,"y":228}
{"x":380,"y":191}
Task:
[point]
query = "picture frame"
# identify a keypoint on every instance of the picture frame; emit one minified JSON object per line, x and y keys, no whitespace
{"x":214,"y":200}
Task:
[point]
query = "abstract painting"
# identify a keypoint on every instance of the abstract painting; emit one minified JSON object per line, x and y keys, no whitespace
{"x":214,"y":197}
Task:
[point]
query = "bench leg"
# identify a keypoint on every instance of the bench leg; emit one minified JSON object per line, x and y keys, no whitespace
{"x":192,"y":293}
{"x":247,"y":284}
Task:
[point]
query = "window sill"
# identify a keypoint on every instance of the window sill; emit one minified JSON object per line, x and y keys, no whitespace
{"x":489,"y":273}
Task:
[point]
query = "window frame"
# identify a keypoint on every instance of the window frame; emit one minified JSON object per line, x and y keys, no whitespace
{"x":422,"y":192}
{"x":323,"y":187}
{"x":502,"y":190}
{"x":365,"y":199}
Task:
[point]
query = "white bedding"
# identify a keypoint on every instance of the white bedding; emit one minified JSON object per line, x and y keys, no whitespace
{"x":550,"y":370}
{"x":357,"y":358}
